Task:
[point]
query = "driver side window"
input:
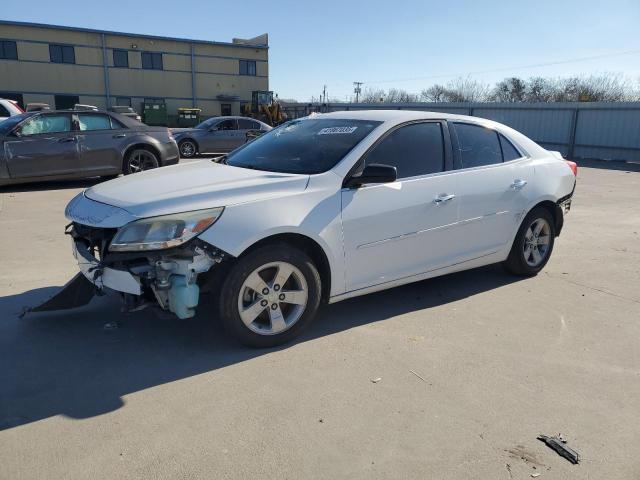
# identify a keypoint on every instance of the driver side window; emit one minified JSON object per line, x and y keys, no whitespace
{"x":415,"y":149}
{"x":47,"y":124}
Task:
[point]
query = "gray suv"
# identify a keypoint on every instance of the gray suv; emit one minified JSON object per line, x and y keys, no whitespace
{"x":217,"y":135}
{"x":65,"y":144}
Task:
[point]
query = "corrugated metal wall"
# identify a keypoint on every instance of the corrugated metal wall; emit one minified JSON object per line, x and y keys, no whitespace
{"x":606,"y":131}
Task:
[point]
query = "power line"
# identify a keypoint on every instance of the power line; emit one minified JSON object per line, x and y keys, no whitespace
{"x":503,"y":69}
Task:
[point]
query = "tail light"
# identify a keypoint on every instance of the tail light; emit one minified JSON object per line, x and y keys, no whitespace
{"x":573,"y":166}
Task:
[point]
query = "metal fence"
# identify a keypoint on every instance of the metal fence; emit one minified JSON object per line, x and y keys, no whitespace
{"x":605,"y":131}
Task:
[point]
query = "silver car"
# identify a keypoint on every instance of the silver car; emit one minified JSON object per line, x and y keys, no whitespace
{"x":66,"y":144}
{"x":217,"y":135}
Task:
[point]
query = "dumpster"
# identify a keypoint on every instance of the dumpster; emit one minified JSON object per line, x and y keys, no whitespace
{"x":154,"y":112}
{"x":188,"y":117}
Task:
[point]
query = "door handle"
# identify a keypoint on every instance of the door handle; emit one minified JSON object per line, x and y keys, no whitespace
{"x":518,"y":184}
{"x":67,"y":140}
{"x":443,"y":198}
{"x":120,"y":135}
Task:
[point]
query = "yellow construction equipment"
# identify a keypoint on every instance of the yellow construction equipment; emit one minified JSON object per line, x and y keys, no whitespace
{"x":263,"y":107}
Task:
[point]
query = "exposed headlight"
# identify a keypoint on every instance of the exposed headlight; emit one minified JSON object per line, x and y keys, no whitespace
{"x":167,"y":231}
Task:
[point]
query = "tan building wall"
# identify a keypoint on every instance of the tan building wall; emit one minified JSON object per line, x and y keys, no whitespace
{"x":213,"y":68}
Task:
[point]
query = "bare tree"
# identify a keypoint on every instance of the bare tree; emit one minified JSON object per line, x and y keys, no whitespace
{"x":435,"y":93}
{"x":371,"y":95}
{"x":511,"y":89}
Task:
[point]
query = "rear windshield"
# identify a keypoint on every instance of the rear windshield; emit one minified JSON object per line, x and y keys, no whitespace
{"x":304,"y":146}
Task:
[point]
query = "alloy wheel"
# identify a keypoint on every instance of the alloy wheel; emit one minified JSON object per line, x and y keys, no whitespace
{"x":187,"y":149}
{"x":273,"y":298}
{"x":141,"y":160}
{"x":536,"y":242}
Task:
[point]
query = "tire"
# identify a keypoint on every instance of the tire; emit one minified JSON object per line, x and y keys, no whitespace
{"x":188,"y":149}
{"x":140,"y":159}
{"x":270,"y":326}
{"x":529,"y":254}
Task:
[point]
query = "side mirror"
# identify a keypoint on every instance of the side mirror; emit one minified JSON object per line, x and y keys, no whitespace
{"x":373,"y":173}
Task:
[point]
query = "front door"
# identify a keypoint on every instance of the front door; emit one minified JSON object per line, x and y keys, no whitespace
{"x":44,"y":145}
{"x":221,"y":137}
{"x":492,"y":187}
{"x":407,"y":227}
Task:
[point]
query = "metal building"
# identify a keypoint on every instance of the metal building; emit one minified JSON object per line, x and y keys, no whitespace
{"x":63,"y":66}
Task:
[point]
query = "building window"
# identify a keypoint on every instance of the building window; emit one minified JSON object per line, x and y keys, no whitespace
{"x":248,"y":67}
{"x":123,"y":101}
{"x":65,"y":102}
{"x":120,"y":58}
{"x":225,"y":109}
{"x":8,"y":50}
{"x":151,"y":61}
{"x":62,"y":54}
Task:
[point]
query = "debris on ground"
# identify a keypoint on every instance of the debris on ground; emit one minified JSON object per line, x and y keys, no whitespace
{"x":560,"y":446}
{"x":111,"y":326}
{"x":376,"y":380}
{"x":535,"y":475}
{"x":418,"y":375}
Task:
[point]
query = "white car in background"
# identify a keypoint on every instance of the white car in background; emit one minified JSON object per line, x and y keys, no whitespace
{"x":9,"y":108}
{"x":322,"y":208}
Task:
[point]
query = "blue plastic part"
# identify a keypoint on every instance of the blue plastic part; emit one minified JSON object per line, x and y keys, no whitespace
{"x":183,"y":298}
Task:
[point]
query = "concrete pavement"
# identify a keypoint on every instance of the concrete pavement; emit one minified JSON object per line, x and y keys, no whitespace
{"x":501,"y":360}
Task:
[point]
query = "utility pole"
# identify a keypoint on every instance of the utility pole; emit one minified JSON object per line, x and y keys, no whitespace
{"x":357,"y":90}
{"x":324,"y":94}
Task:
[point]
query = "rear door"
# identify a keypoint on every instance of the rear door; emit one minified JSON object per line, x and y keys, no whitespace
{"x":492,"y":184}
{"x":245,"y":125}
{"x":45,"y":145}
{"x":100,"y":140}
{"x":407,"y":227}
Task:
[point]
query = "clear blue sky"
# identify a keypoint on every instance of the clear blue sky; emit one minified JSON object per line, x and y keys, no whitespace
{"x":336,"y":42}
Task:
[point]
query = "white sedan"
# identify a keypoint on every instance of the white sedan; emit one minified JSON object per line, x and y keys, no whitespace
{"x":321,"y":209}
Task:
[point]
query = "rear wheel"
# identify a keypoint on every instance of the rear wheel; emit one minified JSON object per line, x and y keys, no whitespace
{"x":139,"y":160}
{"x":533,"y":244}
{"x":188,"y":149}
{"x":270,"y":295}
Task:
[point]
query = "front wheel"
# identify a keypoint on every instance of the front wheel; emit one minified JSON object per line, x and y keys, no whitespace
{"x":139,"y":160}
{"x":270,"y":295}
{"x":533,"y":244}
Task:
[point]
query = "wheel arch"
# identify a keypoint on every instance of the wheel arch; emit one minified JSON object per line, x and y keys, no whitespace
{"x":554,"y":210}
{"x":309,"y":246}
{"x":142,"y":146}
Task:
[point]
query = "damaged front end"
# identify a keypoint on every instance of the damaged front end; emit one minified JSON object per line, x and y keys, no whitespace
{"x":170,"y":278}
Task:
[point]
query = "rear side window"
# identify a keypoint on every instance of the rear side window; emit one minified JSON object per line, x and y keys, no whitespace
{"x":227,"y":125}
{"x":88,"y":122}
{"x":509,"y":152}
{"x":477,"y":145}
{"x":47,"y":124}
{"x":4,"y":112}
{"x":416,"y":149}
{"x":245,"y":124}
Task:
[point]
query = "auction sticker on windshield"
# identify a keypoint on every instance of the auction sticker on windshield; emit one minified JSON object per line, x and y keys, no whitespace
{"x":336,"y":130}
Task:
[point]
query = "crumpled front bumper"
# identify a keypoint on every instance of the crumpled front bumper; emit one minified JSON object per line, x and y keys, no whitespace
{"x":101,"y":276}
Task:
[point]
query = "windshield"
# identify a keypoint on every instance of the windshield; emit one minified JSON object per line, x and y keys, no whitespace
{"x":304,"y":146}
{"x":7,"y":125}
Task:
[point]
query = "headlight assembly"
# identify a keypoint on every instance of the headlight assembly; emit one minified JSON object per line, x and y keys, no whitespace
{"x":167,"y":231}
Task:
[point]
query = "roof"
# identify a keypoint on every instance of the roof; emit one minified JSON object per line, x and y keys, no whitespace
{"x":136,"y":35}
{"x":395,"y":115}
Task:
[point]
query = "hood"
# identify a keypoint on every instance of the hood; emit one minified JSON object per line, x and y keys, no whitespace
{"x":193,"y":186}
{"x":178,"y":131}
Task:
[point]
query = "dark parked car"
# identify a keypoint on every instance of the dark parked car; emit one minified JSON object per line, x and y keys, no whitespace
{"x":218,"y":135}
{"x":63,"y":144}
